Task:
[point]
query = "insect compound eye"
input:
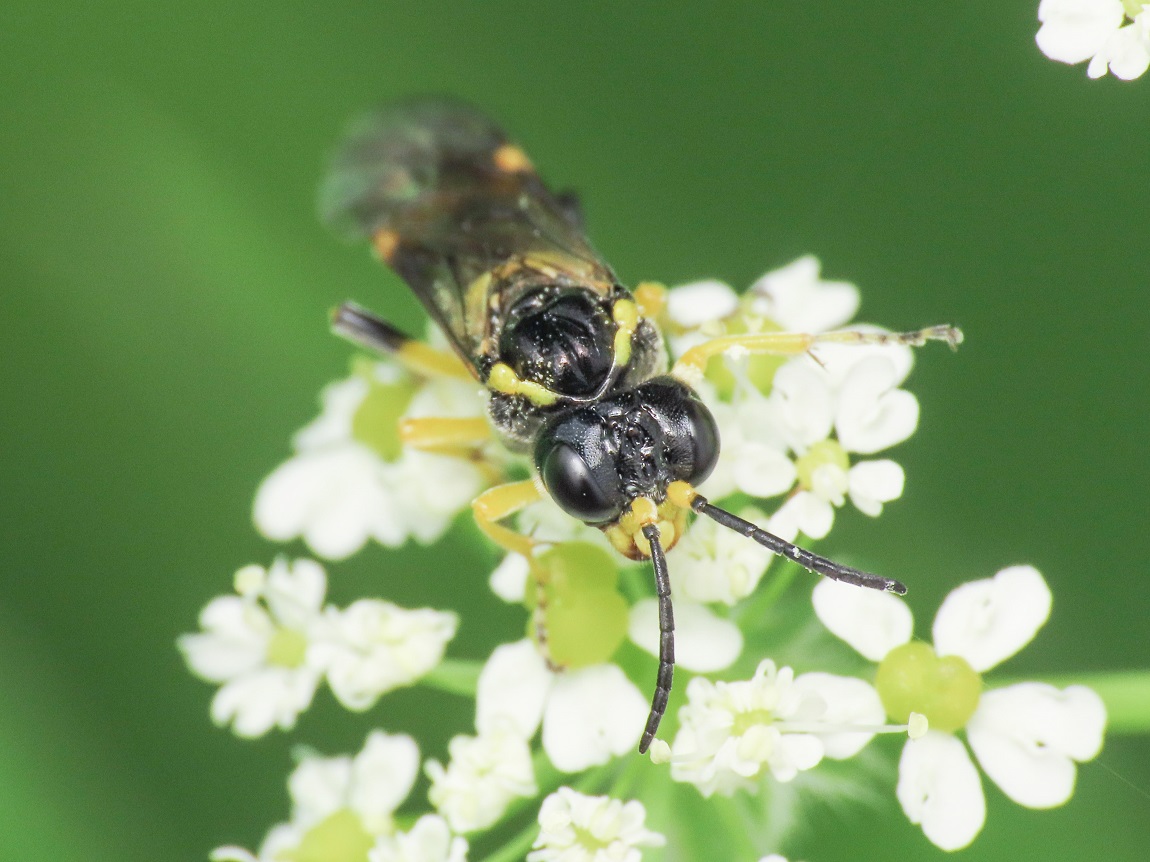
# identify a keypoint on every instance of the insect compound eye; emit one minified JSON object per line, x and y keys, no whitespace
{"x":574,"y":486}
{"x":704,"y":439}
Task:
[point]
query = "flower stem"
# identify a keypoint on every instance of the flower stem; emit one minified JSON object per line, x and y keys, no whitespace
{"x":455,"y":676}
{"x":1126,"y":694}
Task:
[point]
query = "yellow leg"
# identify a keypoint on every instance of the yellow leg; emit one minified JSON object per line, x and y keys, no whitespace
{"x":361,"y":327}
{"x":444,"y":433}
{"x":500,"y":502}
{"x":693,"y":363}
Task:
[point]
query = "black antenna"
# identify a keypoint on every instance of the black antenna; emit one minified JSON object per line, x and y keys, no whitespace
{"x":809,"y":561}
{"x":666,"y":638}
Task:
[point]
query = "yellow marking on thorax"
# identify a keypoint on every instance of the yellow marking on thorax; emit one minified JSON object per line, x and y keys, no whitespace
{"x":626,"y":315}
{"x":512,"y":160}
{"x":504,"y":379}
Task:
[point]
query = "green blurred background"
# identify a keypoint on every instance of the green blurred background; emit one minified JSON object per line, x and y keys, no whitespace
{"x":165,"y":284}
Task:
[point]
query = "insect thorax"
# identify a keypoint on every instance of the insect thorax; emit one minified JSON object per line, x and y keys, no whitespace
{"x":562,"y":338}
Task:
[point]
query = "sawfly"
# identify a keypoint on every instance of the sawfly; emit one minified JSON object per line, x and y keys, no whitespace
{"x":576,"y":368}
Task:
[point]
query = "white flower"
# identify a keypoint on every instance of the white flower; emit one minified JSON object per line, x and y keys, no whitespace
{"x":1027,"y":737}
{"x":754,"y":458}
{"x":509,"y":579}
{"x":714,"y":564}
{"x":342,"y":801}
{"x":589,"y":715}
{"x":799,"y":300}
{"x":371,"y":785}
{"x":373,"y":646}
{"x":692,"y":305}
{"x":1126,"y":52}
{"x":578,"y":828}
{"x":704,"y":642}
{"x":338,"y":491}
{"x":732,"y":733}
{"x":486,"y":772}
{"x":429,"y":840}
{"x":259,"y":645}
{"x":859,"y":400}
{"x":1073,"y":31}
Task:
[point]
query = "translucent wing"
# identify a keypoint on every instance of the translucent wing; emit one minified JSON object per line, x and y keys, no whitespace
{"x":458,"y":212}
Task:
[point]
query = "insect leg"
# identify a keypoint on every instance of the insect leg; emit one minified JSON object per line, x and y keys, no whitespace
{"x":693,"y":363}
{"x":361,"y":327}
{"x":500,"y":502}
{"x":444,"y":434}
{"x":651,"y":297}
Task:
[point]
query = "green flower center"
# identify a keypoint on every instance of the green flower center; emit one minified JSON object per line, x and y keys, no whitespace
{"x":744,"y":721}
{"x":287,"y":648}
{"x":585,"y":615}
{"x":825,"y":452}
{"x":913,"y":678}
{"x":340,"y":837}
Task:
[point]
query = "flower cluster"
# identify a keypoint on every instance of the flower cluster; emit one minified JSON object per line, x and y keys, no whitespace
{"x":1074,"y":31}
{"x":271,"y":644}
{"x":1027,"y":736}
{"x":802,"y":436}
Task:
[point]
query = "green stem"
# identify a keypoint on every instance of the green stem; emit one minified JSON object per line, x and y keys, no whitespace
{"x":1126,"y":694}
{"x":455,"y":676}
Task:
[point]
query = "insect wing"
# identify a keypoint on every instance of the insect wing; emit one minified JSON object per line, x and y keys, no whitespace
{"x":448,"y":200}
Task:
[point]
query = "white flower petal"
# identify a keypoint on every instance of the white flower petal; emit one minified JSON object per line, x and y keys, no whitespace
{"x":988,"y":621}
{"x":938,"y":787}
{"x":294,"y":592}
{"x":804,"y":512}
{"x":429,"y":840}
{"x":592,"y":714}
{"x":485,"y":774}
{"x":873,"y":483}
{"x":762,"y":470}
{"x":1127,"y":52}
{"x":382,"y":775}
{"x":340,"y":401}
{"x":872,"y":414}
{"x":795,"y":297}
{"x":1027,"y":737}
{"x":271,"y":697}
{"x":714,"y":564}
{"x":318,"y":787}
{"x":1075,"y":30}
{"x":509,"y":580}
{"x":333,"y":498}
{"x":848,"y":701}
{"x":578,"y":828}
{"x":373,"y":646}
{"x":700,"y":302}
{"x":704,"y":641}
{"x":513,"y":686}
{"x":872,"y":622}
{"x":803,"y":404}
